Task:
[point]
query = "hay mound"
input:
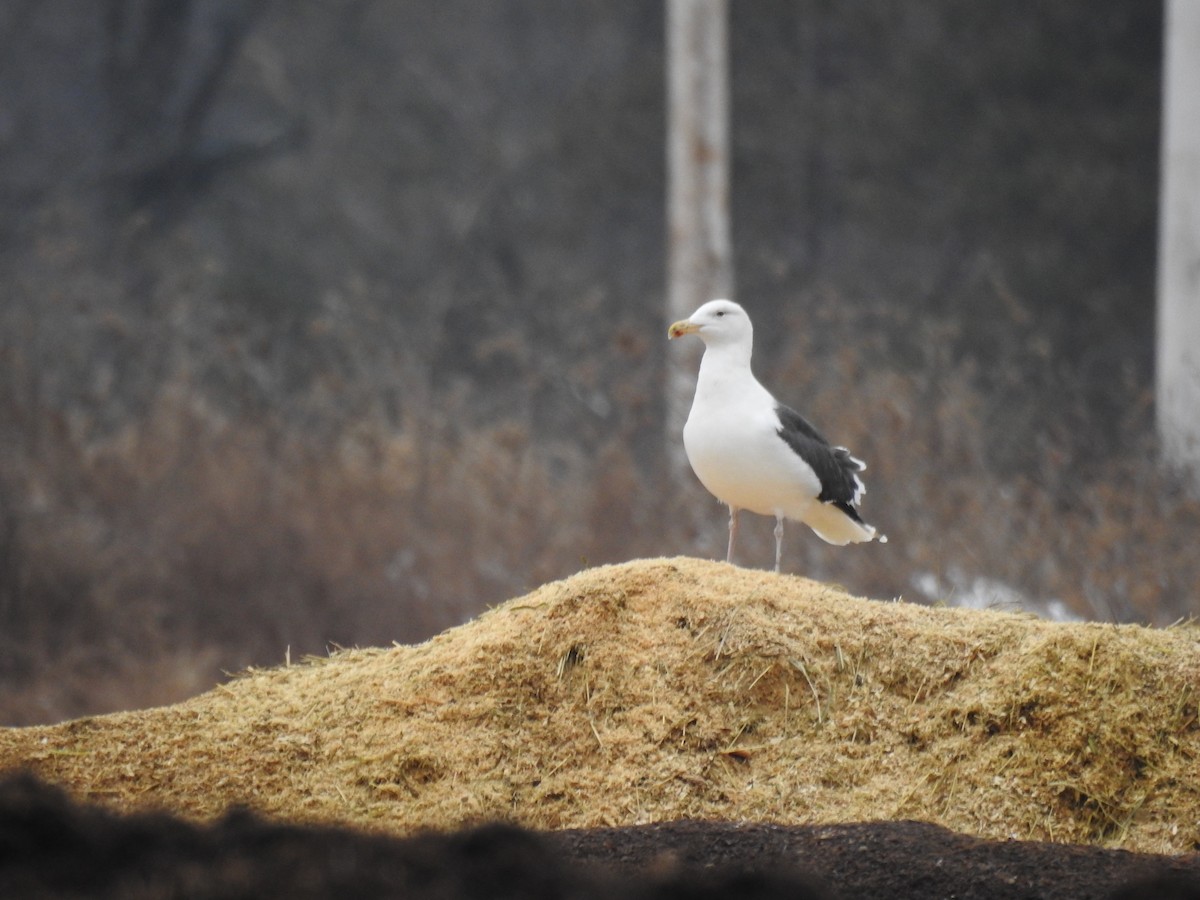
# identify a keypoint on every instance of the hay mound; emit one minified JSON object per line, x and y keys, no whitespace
{"x":669,"y":689}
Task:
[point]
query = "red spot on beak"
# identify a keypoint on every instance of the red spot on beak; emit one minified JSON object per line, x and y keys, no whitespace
{"x":679,"y":329}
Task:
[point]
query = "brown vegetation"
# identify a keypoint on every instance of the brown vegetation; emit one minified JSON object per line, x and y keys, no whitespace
{"x":340,"y":326}
{"x":184,"y":540}
{"x":685,"y":689}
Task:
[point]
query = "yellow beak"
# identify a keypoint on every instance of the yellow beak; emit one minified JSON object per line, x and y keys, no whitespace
{"x":682,"y":327}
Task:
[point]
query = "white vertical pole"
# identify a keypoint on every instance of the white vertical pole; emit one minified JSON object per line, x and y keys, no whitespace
{"x":1178,"y":333}
{"x":699,"y":247}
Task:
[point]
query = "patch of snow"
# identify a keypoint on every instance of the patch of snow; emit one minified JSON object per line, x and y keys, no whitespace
{"x":957,"y":588}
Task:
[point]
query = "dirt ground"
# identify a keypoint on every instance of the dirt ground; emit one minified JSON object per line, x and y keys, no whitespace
{"x":889,"y":859}
{"x":52,"y":847}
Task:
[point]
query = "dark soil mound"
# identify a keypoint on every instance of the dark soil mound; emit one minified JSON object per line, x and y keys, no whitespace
{"x":52,"y":847}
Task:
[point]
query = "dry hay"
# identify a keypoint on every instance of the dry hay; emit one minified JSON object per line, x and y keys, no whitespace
{"x":677,"y":688}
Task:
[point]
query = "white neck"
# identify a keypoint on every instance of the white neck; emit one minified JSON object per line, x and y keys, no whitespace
{"x":725,"y":368}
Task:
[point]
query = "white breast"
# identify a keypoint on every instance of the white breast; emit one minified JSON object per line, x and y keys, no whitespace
{"x":732,"y":442}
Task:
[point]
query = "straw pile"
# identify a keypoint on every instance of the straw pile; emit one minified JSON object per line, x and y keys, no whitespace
{"x":667,"y":689}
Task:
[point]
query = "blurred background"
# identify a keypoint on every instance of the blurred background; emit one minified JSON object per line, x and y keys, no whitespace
{"x":333,"y":322}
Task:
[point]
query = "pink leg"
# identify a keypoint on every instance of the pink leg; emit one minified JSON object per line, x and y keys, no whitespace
{"x":733,"y":530}
{"x":778,"y":541}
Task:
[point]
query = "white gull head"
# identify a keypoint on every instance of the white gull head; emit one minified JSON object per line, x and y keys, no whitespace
{"x":718,"y":323}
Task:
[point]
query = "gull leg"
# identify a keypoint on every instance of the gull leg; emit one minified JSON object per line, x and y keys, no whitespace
{"x":733,"y":530}
{"x":778,"y":541}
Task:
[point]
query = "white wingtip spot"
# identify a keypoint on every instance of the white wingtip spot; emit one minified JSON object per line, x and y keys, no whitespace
{"x":859,"y":490}
{"x":853,"y":460}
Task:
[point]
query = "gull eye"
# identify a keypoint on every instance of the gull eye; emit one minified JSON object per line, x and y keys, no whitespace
{"x":720,"y":312}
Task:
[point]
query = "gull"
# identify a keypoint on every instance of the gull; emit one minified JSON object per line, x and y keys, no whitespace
{"x":752,"y":452}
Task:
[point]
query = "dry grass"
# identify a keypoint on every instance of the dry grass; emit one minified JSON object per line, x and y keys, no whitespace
{"x":226,"y":530}
{"x":679,"y":688}
{"x":230,"y":541}
{"x":1026,"y":487}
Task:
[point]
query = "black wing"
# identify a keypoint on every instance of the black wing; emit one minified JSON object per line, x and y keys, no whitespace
{"x":836,"y":469}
